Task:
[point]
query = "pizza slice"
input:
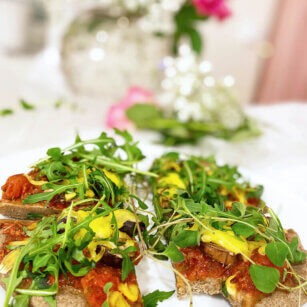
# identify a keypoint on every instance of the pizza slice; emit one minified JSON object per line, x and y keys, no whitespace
{"x":83,"y":172}
{"x":227,"y":240}
{"x":81,"y":258}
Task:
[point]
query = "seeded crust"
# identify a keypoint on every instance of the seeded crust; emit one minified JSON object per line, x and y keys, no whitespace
{"x":279,"y":298}
{"x":16,"y":209}
{"x":209,"y":286}
{"x":66,"y":297}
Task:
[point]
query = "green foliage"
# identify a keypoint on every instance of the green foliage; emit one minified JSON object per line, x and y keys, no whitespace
{"x":277,"y":253}
{"x":5,"y":112}
{"x":187,"y":238}
{"x":186,"y":21}
{"x":242,"y":229}
{"x":201,"y":205}
{"x":76,"y":169}
{"x":264,"y":278}
{"x":174,"y":132}
{"x":152,"y":299}
{"x":26,"y":105}
{"x":174,"y":254}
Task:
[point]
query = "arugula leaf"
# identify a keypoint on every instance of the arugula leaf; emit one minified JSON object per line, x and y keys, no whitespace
{"x":173,"y":253}
{"x":277,"y":253}
{"x":26,"y":105}
{"x":47,"y":196}
{"x":40,"y":261}
{"x":264,"y":278}
{"x":127,"y":265}
{"x":21,"y":300}
{"x":54,"y":153}
{"x":187,"y":238}
{"x":152,"y":299}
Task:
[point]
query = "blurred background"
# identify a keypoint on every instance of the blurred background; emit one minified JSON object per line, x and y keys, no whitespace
{"x":263,"y":46}
{"x":85,"y":55}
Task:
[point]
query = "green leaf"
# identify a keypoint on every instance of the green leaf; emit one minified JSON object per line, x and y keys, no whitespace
{"x":242,"y":229}
{"x":264,"y":278}
{"x":296,"y":256}
{"x":21,"y":300}
{"x":195,"y":38}
{"x":33,"y":216}
{"x":35,"y":198}
{"x":54,"y":153}
{"x":40,"y":261}
{"x":26,"y":105}
{"x":195,"y":207}
{"x":152,"y":299}
{"x":5,"y":112}
{"x":238,"y":209}
{"x":277,"y":253}
{"x":187,"y":238}
{"x":106,"y":290}
{"x":173,"y":253}
{"x":224,"y":289}
{"x":257,"y":193}
{"x":143,"y":114}
{"x":140,"y":202}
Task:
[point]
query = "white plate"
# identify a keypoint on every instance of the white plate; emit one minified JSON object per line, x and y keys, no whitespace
{"x":279,"y":195}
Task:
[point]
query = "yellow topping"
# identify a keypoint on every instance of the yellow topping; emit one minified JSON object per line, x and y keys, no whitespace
{"x":18,"y":243}
{"x":8,"y":261}
{"x":113,"y":177}
{"x":240,"y":195}
{"x":226,"y":239}
{"x":171,"y":165}
{"x":89,"y":193}
{"x":172,"y":179}
{"x":35,"y":182}
{"x":231,"y":288}
{"x":131,"y":291}
{"x":104,"y":230}
{"x":116,"y":299}
{"x":229,"y":241}
{"x":70,"y":196}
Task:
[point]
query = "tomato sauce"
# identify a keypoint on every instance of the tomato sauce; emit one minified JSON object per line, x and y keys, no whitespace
{"x":198,"y":266}
{"x":19,"y":187}
{"x":93,"y":283}
{"x":69,"y":280}
{"x":12,"y":232}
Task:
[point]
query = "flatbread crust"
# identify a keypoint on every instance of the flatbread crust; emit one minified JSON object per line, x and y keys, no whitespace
{"x":66,"y":297}
{"x":16,"y":209}
{"x":279,"y":298}
{"x":209,"y":286}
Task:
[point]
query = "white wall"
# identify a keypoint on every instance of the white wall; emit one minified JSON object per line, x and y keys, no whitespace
{"x":236,"y":44}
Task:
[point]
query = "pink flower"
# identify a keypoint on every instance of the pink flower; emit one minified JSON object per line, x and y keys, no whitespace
{"x":116,"y":117}
{"x":216,"y":8}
